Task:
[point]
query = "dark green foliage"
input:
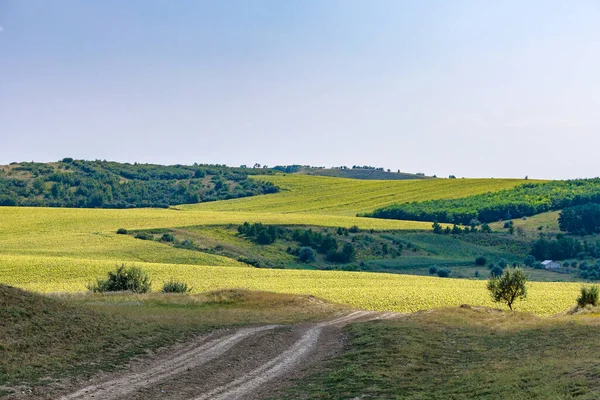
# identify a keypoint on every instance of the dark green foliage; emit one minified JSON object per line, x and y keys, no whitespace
{"x":481,"y":260}
{"x":144,"y":236}
{"x":524,"y":200}
{"x":509,"y":287}
{"x":122,"y":231}
{"x":444,"y":273}
{"x":496,"y":271}
{"x":132,"y":279}
{"x":346,"y":255}
{"x":529,"y":260}
{"x":562,"y":248}
{"x":588,"y":296}
{"x":354,"y":229}
{"x":433,"y":270}
{"x":167,"y":237}
{"x":259,"y":233}
{"x":78,"y":183}
{"x":174,"y":286}
{"x":583,"y":219}
{"x":306,"y":254}
{"x":485,"y":228}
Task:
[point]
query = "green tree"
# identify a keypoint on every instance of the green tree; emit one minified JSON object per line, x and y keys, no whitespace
{"x":508,"y":287}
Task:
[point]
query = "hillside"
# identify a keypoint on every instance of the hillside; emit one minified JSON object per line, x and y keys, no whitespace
{"x":362,"y":173}
{"x":104,"y":184}
{"x":47,"y":338}
{"x":521,"y":201}
{"x":340,"y":196}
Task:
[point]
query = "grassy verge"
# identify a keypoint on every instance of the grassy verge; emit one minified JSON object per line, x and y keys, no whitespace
{"x":46,"y":338}
{"x":463,"y":353}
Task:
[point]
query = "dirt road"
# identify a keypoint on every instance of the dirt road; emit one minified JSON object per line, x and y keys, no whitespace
{"x":248,"y":363}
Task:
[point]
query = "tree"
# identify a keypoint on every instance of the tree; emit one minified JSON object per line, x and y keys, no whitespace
{"x":529,"y":260}
{"x":306,"y":254}
{"x":437,"y":228}
{"x":509,"y":287}
{"x":481,"y":260}
{"x":485,"y":228}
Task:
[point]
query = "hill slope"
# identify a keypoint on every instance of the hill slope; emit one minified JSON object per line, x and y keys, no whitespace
{"x":93,"y":184}
{"x":339,"y":196}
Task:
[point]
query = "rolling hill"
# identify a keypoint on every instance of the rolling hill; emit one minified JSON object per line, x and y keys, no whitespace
{"x":339,"y":196}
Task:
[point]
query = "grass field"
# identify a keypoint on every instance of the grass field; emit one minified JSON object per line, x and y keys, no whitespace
{"x":373,"y":291}
{"x":463,"y":353}
{"x":339,"y":196}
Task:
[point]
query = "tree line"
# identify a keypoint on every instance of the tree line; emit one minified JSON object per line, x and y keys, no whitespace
{"x":104,"y":184}
{"x":522,"y":201}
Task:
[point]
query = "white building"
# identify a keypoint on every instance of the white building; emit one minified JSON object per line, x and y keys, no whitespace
{"x":549,"y":264}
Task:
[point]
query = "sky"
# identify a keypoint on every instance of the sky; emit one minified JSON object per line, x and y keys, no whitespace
{"x":470,"y":88}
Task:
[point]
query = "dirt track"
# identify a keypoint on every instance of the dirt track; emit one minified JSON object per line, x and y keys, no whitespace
{"x":249,"y":363}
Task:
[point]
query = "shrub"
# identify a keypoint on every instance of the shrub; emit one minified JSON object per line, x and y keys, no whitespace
{"x":306,"y":254}
{"x":433,"y":270}
{"x":167,"y":237}
{"x":132,"y":279}
{"x":354,"y":229}
{"x":529,"y":261}
{"x":121,"y":231}
{"x":173,"y":286}
{"x":481,"y":260}
{"x":144,"y":236}
{"x":496,"y":271}
{"x":589,"y":295}
{"x":444,"y":273}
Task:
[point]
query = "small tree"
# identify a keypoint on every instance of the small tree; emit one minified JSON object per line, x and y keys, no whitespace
{"x":529,"y":260}
{"x":588,"y":296}
{"x":481,"y":260}
{"x":509,"y":287}
{"x":306,"y":254}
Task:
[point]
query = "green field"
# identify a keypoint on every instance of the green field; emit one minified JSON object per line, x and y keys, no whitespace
{"x":339,"y":196}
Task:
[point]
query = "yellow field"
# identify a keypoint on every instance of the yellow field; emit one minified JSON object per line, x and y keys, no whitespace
{"x":52,"y":249}
{"x":373,"y":291}
{"x":340,"y":196}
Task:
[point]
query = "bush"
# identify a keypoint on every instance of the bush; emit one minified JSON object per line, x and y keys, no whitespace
{"x":496,"y":271}
{"x":132,"y":279}
{"x":433,"y":270}
{"x":444,"y":273}
{"x":529,"y":261}
{"x":144,"y":236}
{"x":121,"y":231}
{"x":589,"y":295}
{"x":167,"y":237}
{"x":306,"y":254}
{"x":173,"y":286}
{"x":481,"y":260}
{"x":354,"y":229}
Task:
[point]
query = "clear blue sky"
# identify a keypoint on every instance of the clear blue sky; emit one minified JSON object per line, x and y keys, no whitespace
{"x":471,"y":88}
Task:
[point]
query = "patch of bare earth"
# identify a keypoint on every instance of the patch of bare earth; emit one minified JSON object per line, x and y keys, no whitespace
{"x":248,"y":363}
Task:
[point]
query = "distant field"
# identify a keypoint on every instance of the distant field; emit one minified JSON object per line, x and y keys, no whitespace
{"x":339,"y":196}
{"x":372,"y":291}
{"x":363,"y":174}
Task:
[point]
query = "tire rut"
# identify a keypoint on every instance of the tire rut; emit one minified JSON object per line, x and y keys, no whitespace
{"x":240,"y":365}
